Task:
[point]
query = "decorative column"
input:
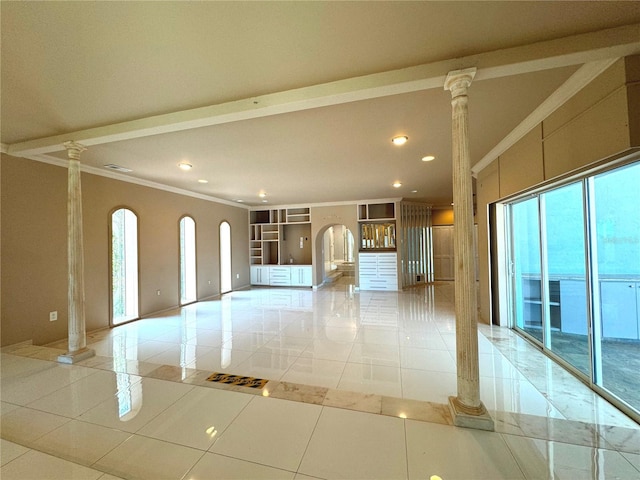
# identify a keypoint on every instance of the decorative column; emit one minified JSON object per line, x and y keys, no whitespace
{"x":75,"y":251}
{"x":467,"y":409}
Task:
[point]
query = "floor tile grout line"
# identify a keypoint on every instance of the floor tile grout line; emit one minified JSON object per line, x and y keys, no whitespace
{"x":306,"y":448}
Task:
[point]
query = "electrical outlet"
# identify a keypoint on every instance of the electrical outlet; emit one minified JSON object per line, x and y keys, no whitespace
{"x":237,"y":275}
{"x":53,"y":316}
{"x":209,"y":282}
{"x":158,"y":292}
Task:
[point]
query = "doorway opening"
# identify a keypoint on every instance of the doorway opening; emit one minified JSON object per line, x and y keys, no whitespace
{"x":338,"y":255}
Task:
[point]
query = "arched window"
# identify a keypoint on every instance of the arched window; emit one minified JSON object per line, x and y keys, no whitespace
{"x":187,"y":260}
{"x":124,"y":266}
{"x":225,"y":257}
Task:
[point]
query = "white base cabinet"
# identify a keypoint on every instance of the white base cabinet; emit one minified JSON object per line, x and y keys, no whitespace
{"x":281,"y":275}
{"x":378,"y":271}
{"x":259,"y":275}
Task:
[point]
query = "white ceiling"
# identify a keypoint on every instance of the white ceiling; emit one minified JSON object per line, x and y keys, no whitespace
{"x":84,"y":70}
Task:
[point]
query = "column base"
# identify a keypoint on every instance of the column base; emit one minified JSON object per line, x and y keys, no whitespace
{"x":479,"y":421}
{"x":77,"y":356}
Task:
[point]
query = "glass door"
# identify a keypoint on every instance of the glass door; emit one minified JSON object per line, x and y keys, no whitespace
{"x":525,"y":267}
{"x":615,"y":235}
{"x":564,"y":252}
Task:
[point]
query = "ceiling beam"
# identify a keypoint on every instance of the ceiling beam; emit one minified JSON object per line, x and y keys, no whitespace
{"x":574,"y":50}
{"x":576,"y":82}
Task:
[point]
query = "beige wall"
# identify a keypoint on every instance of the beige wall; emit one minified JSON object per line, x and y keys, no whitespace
{"x":34,"y":255}
{"x":442,"y":216}
{"x":601,"y":120}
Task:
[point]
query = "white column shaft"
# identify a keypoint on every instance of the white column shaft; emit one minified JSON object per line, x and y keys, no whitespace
{"x":75,"y":249}
{"x":468,"y":398}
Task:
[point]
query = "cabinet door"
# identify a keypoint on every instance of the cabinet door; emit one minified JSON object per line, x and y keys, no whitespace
{"x":301,"y":276}
{"x":259,"y":275}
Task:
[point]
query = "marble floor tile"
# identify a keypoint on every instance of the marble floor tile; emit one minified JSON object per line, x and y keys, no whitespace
{"x":10,"y":451}
{"x":312,"y":371}
{"x":135,"y":403}
{"x":378,"y":379}
{"x":221,"y":359}
{"x":25,"y":425}
{"x":620,"y":438}
{"x":434,"y":449}
{"x":362,"y":402}
{"x":375,"y":354}
{"x":271,"y":432}
{"x":429,"y":386}
{"x":27,"y":389}
{"x":80,"y":442}
{"x":40,"y":466}
{"x":356,"y":445}
{"x":423,"y":359}
{"x":545,"y":459}
{"x":326,"y":349}
{"x":148,"y":458}
{"x":266,"y":365}
{"x":218,"y":466}
{"x":80,"y":396}
{"x":633,"y":459}
{"x":297,"y":392}
{"x":416,"y":410}
{"x":197,"y":418}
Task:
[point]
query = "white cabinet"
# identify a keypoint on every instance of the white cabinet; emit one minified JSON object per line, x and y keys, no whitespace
{"x":279,"y":276}
{"x":301,"y":276}
{"x":378,"y":271}
{"x":259,"y":275}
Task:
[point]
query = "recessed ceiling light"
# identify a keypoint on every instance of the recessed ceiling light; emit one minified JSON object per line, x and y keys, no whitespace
{"x":397,"y":185}
{"x":262,"y":194}
{"x":265,"y":201}
{"x":399,"y":140}
{"x":185,"y":166}
{"x":202,"y":180}
{"x":414,"y":191}
{"x":428,"y":158}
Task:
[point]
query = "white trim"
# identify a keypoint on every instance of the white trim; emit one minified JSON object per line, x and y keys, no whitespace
{"x":137,"y":181}
{"x":573,"y":50}
{"x":576,"y":82}
{"x":4,"y":148}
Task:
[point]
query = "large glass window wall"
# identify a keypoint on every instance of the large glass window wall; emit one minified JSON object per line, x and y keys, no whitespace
{"x":574,"y":256}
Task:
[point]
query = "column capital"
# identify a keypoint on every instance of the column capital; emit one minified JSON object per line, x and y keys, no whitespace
{"x":74,"y":149}
{"x":458,"y":81}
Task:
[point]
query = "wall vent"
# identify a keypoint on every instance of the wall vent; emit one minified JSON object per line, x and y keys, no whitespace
{"x":117,"y":168}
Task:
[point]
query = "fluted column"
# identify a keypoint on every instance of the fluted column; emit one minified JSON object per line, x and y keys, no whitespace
{"x":75,"y":253}
{"x":466,"y":408}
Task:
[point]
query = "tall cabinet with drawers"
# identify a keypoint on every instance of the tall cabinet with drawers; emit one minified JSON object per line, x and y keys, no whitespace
{"x":378,"y":257}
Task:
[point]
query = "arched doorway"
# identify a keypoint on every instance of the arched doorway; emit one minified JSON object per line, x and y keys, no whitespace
{"x":338,"y":255}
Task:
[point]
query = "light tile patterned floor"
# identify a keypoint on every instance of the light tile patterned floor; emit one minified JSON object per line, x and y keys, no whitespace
{"x":358,"y":386}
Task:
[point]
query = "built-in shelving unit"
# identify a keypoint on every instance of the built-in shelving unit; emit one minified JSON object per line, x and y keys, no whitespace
{"x":377,"y":226}
{"x":378,"y":262}
{"x":280,"y":247}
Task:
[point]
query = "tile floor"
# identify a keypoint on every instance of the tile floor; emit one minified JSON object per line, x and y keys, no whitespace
{"x":358,"y":383}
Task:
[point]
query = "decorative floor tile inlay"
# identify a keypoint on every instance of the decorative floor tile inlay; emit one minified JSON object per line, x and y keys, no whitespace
{"x":237,"y":380}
